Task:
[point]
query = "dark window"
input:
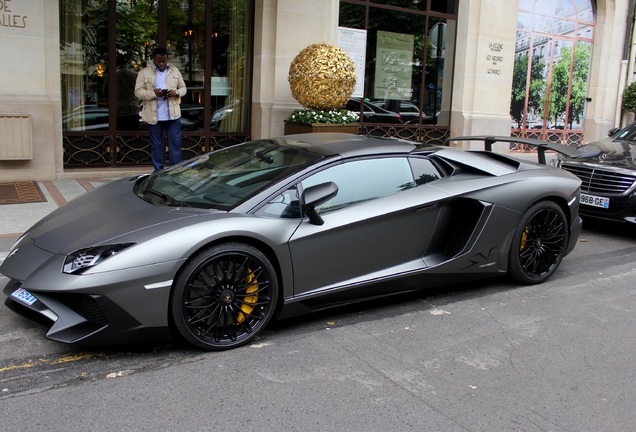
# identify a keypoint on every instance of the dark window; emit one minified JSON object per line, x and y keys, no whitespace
{"x":363,"y":180}
{"x":423,"y":171}
{"x":409,"y":54}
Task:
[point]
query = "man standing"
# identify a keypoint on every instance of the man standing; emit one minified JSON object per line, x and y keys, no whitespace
{"x":160,"y":85}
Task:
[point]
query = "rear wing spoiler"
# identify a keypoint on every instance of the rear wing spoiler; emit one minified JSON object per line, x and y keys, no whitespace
{"x":541,"y":145}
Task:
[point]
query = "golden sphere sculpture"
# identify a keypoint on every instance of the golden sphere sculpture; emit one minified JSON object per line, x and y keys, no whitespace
{"x":322,"y":77}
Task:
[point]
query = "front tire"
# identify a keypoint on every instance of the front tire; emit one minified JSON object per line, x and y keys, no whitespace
{"x":539,"y":243}
{"x":224,"y":297}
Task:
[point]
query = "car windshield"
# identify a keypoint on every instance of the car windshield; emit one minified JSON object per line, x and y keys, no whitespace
{"x":627,"y":134}
{"x":224,"y":178}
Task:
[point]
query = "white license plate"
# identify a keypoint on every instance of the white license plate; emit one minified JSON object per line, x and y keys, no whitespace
{"x":24,"y":296}
{"x":595,"y":201}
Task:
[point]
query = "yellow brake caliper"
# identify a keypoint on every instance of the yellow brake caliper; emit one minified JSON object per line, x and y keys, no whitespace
{"x":524,"y":237}
{"x":249,"y":300}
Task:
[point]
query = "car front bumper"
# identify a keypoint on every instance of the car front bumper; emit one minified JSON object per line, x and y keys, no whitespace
{"x":100,"y":308}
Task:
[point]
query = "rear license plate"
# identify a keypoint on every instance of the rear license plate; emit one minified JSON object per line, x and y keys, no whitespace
{"x":23,"y":296}
{"x":595,"y":201}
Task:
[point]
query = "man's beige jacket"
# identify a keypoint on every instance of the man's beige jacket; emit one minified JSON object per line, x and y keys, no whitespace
{"x":145,"y":90}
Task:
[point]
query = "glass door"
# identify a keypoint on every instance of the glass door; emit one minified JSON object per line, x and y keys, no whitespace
{"x":105,"y":43}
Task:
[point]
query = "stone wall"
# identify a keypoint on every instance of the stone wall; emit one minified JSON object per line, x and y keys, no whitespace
{"x":30,"y":71}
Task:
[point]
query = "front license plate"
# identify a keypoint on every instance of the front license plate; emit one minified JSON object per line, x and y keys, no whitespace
{"x":595,"y":201}
{"x":23,"y":296}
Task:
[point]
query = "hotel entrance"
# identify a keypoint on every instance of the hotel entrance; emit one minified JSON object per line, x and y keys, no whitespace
{"x":105,"y":43}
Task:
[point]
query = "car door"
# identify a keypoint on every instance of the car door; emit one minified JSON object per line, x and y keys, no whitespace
{"x":377,"y":226}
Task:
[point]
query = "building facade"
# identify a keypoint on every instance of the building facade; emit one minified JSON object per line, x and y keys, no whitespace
{"x":427,"y":70}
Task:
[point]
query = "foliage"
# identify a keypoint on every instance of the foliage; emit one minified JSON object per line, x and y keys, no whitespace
{"x":327,"y":117}
{"x":535,"y":93}
{"x":561,"y":73}
{"x":629,"y":98}
{"x":136,"y":30}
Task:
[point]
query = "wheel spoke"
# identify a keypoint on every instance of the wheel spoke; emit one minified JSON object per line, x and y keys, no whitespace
{"x":543,"y":242}
{"x":226,"y":298}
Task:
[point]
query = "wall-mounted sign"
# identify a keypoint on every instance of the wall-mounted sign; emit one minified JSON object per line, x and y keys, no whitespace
{"x":494,"y":58}
{"x":8,"y":18}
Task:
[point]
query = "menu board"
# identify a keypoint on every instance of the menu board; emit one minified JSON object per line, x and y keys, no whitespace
{"x":393,"y":66}
{"x":354,"y":43}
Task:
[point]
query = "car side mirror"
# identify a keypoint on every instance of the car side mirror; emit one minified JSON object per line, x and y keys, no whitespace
{"x":612,"y":131}
{"x":314,"y":196}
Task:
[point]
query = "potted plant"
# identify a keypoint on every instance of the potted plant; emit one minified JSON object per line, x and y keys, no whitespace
{"x":321,"y":79}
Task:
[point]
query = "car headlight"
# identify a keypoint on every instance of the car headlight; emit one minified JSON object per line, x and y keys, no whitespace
{"x":83,"y":259}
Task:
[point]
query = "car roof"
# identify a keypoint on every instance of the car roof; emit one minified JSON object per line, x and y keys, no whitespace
{"x":346,"y":145}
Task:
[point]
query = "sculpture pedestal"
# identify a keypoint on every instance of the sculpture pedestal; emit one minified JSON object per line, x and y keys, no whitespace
{"x":293,"y":128}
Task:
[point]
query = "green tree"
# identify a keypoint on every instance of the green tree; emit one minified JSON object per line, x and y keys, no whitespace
{"x":573,"y":76}
{"x":535,"y":93}
{"x":629,"y":98}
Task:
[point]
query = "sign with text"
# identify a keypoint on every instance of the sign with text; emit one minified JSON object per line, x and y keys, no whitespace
{"x":9,"y":18}
{"x":494,"y":58}
{"x":394,"y":66}
{"x":354,"y":43}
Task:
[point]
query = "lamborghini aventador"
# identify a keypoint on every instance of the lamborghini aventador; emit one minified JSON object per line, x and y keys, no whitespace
{"x":211,"y":249}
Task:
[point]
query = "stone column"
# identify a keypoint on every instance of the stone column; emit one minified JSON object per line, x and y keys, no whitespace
{"x":484,"y":63}
{"x":30,"y":71}
{"x":282,"y":29}
{"x":607,"y":63}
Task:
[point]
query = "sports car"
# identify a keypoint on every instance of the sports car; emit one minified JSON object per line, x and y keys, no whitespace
{"x":608,"y":190}
{"x":211,"y":249}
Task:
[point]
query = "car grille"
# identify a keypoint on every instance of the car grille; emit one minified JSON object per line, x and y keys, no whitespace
{"x":601,"y":180}
{"x":83,"y":305}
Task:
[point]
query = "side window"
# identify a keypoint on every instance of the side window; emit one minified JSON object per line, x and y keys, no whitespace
{"x":285,"y":205}
{"x":363,"y":180}
{"x":423,"y":170}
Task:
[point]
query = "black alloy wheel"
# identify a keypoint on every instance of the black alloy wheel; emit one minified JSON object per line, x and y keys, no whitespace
{"x":539,"y":243}
{"x":224,"y":296}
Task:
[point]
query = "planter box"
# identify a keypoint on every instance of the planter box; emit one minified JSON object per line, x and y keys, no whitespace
{"x":292,"y":128}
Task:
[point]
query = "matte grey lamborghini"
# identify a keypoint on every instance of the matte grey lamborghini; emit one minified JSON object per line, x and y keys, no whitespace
{"x":216,"y":246}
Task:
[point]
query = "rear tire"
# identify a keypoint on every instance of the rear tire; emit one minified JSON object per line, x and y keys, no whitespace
{"x":539,"y":243}
{"x":224,"y":297}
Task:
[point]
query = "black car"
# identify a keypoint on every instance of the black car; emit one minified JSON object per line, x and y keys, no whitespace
{"x":373,"y":113}
{"x":410,"y":113}
{"x":608,"y":190}
{"x":94,"y":118}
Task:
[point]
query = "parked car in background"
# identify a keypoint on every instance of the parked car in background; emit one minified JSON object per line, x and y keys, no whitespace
{"x":94,"y":118}
{"x":372,"y":113}
{"x":219,"y":115}
{"x":216,"y":246}
{"x":608,"y":176}
{"x":410,"y":113}
{"x":86,"y":118}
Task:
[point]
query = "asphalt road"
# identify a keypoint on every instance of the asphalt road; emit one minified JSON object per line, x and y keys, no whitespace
{"x":491,"y":356}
